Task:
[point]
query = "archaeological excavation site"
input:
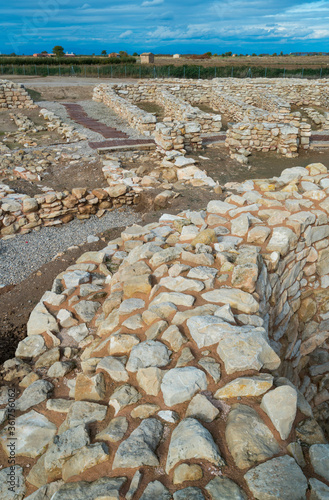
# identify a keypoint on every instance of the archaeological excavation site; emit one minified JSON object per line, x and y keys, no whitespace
{"x":164,"y":290}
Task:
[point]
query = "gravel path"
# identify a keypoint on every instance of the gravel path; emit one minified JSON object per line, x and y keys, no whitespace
{"x":61,"y":111}
{"x":96,"y":110}
{"x":25,"y":253}
{"x":106,"y":115}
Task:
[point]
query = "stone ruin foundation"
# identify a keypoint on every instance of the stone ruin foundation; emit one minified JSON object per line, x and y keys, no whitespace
{"x":188,"y":359}
{"x":14,"y":95}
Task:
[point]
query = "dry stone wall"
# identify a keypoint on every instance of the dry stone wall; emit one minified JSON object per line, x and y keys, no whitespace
{"x":141,"y":120}
{"x":14,"y":95}
{"x":20,"y":214}
{"x":185,"y":360}
{"x":264,"y":105}
{"x":175,"y":108}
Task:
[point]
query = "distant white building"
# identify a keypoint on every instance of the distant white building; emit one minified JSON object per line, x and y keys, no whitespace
{"x":176,"y":56}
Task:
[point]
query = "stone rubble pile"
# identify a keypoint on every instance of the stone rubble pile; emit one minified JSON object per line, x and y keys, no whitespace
{"x":25,"y":124}
{"x":185,"y":360}
{"x":14,"y":95}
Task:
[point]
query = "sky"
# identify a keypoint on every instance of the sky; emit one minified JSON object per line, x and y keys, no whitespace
{"x":164,"y":26}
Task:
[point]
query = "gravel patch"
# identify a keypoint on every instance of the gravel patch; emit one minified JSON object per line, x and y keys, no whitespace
{"x":25,"y":253}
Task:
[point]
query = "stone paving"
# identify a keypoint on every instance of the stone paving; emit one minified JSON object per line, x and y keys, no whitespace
{"x":185,"y":360}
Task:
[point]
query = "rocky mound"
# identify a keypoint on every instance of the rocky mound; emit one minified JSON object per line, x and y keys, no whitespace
{"x":182,"y":361}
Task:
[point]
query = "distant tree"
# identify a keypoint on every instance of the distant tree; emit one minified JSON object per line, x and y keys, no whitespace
{"x":227,"y":54}
{"x":12,"y":54}
{"x":215,"y":55}
{"x":123,"y":53}
{"x":103,"y":53}
{"x":274,"y":54}
{"x":135,"y":54}
{"x":281,"y":53}
{"x":254,"y":55}
{"x":58,"y":51}
{"x":208,"y":54}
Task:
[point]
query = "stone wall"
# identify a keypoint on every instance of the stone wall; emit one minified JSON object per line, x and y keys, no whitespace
{"x":175,"y":106}
{"x":178,"y":135}
{"x":264,"y":104}
{"x":20,"y":214}
{"x":14,"y":95}
{"x":268,"y":136}
{"x":292,"y":90}
{"x":140,"y":120}
{"x":197,"y":346}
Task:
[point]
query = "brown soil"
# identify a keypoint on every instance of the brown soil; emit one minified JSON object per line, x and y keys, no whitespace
{"x":261,"y":165}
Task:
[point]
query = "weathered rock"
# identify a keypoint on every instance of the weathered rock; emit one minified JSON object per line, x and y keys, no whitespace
{"x":211,"y":366}
{"x":63,"y":447}
{"x":155,"y":490}
{"x":30,"y":347}
{"x":12,"y":484}
{"x":86,"y":309}
{"x":34,"y":394}
{"x":319,"y":455}
{"x":186,"y":472}
{"x":189,"y":493}
{"x":281,"y":406}
{"x":287,"y":480}
{"x":90,"y":388}
{"x":121,"y":343}
{"x":248,"y":438}
{"x":33,"y":432}
{"x":84,"y":459}
{"x":83,"y":412}
{"x":114,"y":367}
{"x":103,"y":487}
{"x":246,"y":386}
{"x":139,"y":448}
{"x":115,"y":431}
{"x":40,"y":321}
{"x":319,"y":490}
{"x":237,"y":299}
{"x":309,"y":432}
{"x":180,"y":384}
{"x":223,"y":488}
{"x":148,"y":354}
{"x":247,"y":351}
{"x":191,"y":440}
{"x":150,"y":379}
{"x":123,"y":396}
{"x":201,"y":408}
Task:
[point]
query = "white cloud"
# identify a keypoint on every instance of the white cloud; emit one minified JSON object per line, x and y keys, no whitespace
{"x":151,"y":3}
{"x":126,"y":34}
